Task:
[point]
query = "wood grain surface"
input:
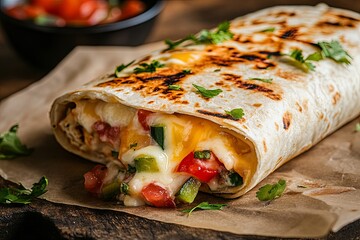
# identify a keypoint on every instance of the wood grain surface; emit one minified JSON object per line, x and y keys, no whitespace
{"x":45,"y":220}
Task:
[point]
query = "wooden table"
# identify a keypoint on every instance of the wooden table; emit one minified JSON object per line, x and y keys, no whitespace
{"x":44,"y":220}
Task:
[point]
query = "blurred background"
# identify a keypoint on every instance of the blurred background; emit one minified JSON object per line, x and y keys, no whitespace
{"x":177,"y":19}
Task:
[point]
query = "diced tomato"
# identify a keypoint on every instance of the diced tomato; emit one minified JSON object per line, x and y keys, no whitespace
{"x":48,"y":5}
{"x":106,"y":132}
{"x":23,"y":12}
{"x":202,"y":169}
{"x":143,"y":116}
{"x":94,"y":179}
{"x":132,"y":8}
{"x":157,"y":196}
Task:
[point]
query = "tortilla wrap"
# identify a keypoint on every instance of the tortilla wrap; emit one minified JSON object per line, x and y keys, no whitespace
{"x":287,"y":109}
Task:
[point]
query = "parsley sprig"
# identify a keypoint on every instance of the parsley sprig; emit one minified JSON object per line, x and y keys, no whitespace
{"x":266,"y":80}
{"x":236,"y":113}
{"x":146,"y":67}
{"x":205,"y":206}
{"x":335,"y":51}
{"x":269,"y":192}
{"x":207,"y":93}
{"x":221,"y":34}
{"x":11,"y":146}
{"x":21,"y":195}
{"x":121,"y":67}
{"x":297,"y":58}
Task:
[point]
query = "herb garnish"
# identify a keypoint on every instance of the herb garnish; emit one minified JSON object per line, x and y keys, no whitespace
{"x":205,"y":206}
{"x":207,"y":93}
{"x":11,"y":146}
{"x":236,"y":113}
{"x":187,"y":71}
{"x":121,"y":67}
{"x":22,"y":195}
{"x":297,"y":59}
{"x":270,"y":29}
{"x":133,"y":145}
{"x":334,"y":51}
{"x":174,"y":87}
{"x":145,"y":67}
{"x":124,"y":188}
{"x":271,"y":191}
{"x":266,"y":80}
{"x":157,"y":133}
{"x":222,"y":34}
{"x":205,"y":154}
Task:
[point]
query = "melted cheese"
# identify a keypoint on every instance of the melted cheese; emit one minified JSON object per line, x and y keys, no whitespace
{"x":182,"y":134}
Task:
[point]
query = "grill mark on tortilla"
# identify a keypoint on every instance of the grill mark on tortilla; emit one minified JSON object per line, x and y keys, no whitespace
{"x":289,"y":33}
{"x":265,"y":147}
{"x":257,"y":105}
{"x":336,"y":98}
{"x":151,"y":83}
{"x":335,"y":24}
{"x":347,"y":17}
{"x":238,"y":82}
{"x":218,"y":115}
{"x":298,"y":106}
{"x":287,"y":120}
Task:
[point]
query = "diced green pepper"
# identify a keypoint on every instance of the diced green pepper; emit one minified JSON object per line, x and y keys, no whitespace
{"x":235,"y":179}
{"x":145,"y":163}
{"x":110,"y":191}
{"x":157,"y":133}
{"x":189,"y":190}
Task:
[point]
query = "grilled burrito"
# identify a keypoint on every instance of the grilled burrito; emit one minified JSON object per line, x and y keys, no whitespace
{"x":217,"y":111}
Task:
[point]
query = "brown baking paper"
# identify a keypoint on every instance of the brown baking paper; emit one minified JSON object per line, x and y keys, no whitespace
{"x":323,"y":183}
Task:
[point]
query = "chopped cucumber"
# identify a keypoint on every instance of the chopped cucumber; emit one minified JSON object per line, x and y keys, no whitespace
{"x":189,"y":190}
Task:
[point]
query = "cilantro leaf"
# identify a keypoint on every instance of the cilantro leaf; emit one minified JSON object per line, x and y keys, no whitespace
{"x":204,"y":206}
{"x":121,"y":67}
{"x":271,"y":191}
{"x":207,"y":93}
{"x":221,"y":34}
{"x":297,"y":59}
{"x":335,"y":51}
{"x":22,"y":195}
{"x":236,"y":113}
{"x":266,"y":80}
{"x":174,"y":87}
{"x":270,"y":29}
{"x":205,"y":154}
{"x":11,"y":146}
{"x":145,"y":67}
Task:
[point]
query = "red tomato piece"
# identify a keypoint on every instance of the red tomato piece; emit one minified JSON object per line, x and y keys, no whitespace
{"x":157,"y":196}
{"x":106,"y":132}
{"x":202,"y":169}
{"x":132,"y":8}
{"x":49,"y":6}
{"x":94,"y":179}
{"x":142,"y":116}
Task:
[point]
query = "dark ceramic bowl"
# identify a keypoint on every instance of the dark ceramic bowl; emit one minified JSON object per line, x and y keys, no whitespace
{"x":45,"y":46}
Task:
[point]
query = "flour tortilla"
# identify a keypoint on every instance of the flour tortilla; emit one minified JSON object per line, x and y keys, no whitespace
{"x":283,"y":118}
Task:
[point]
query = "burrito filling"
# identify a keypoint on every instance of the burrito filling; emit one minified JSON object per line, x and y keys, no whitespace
{"x":155,"y":158}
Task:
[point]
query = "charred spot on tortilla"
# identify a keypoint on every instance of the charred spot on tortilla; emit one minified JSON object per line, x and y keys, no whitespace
{"x":219,"y":115}
{"x":336,"y":98}
{"x":287,"y":120}
{"x":335,"y":24}
{"x":264,"y":145}
{"x":289,"y":33}
{"x":238,"y":82}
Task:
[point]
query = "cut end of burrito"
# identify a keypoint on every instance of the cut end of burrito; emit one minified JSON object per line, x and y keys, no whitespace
{"x":217,"y":111}
{"x":152,"y":157}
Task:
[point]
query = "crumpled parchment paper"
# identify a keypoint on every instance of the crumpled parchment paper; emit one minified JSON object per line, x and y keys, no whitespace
{"x":323,"y":192}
